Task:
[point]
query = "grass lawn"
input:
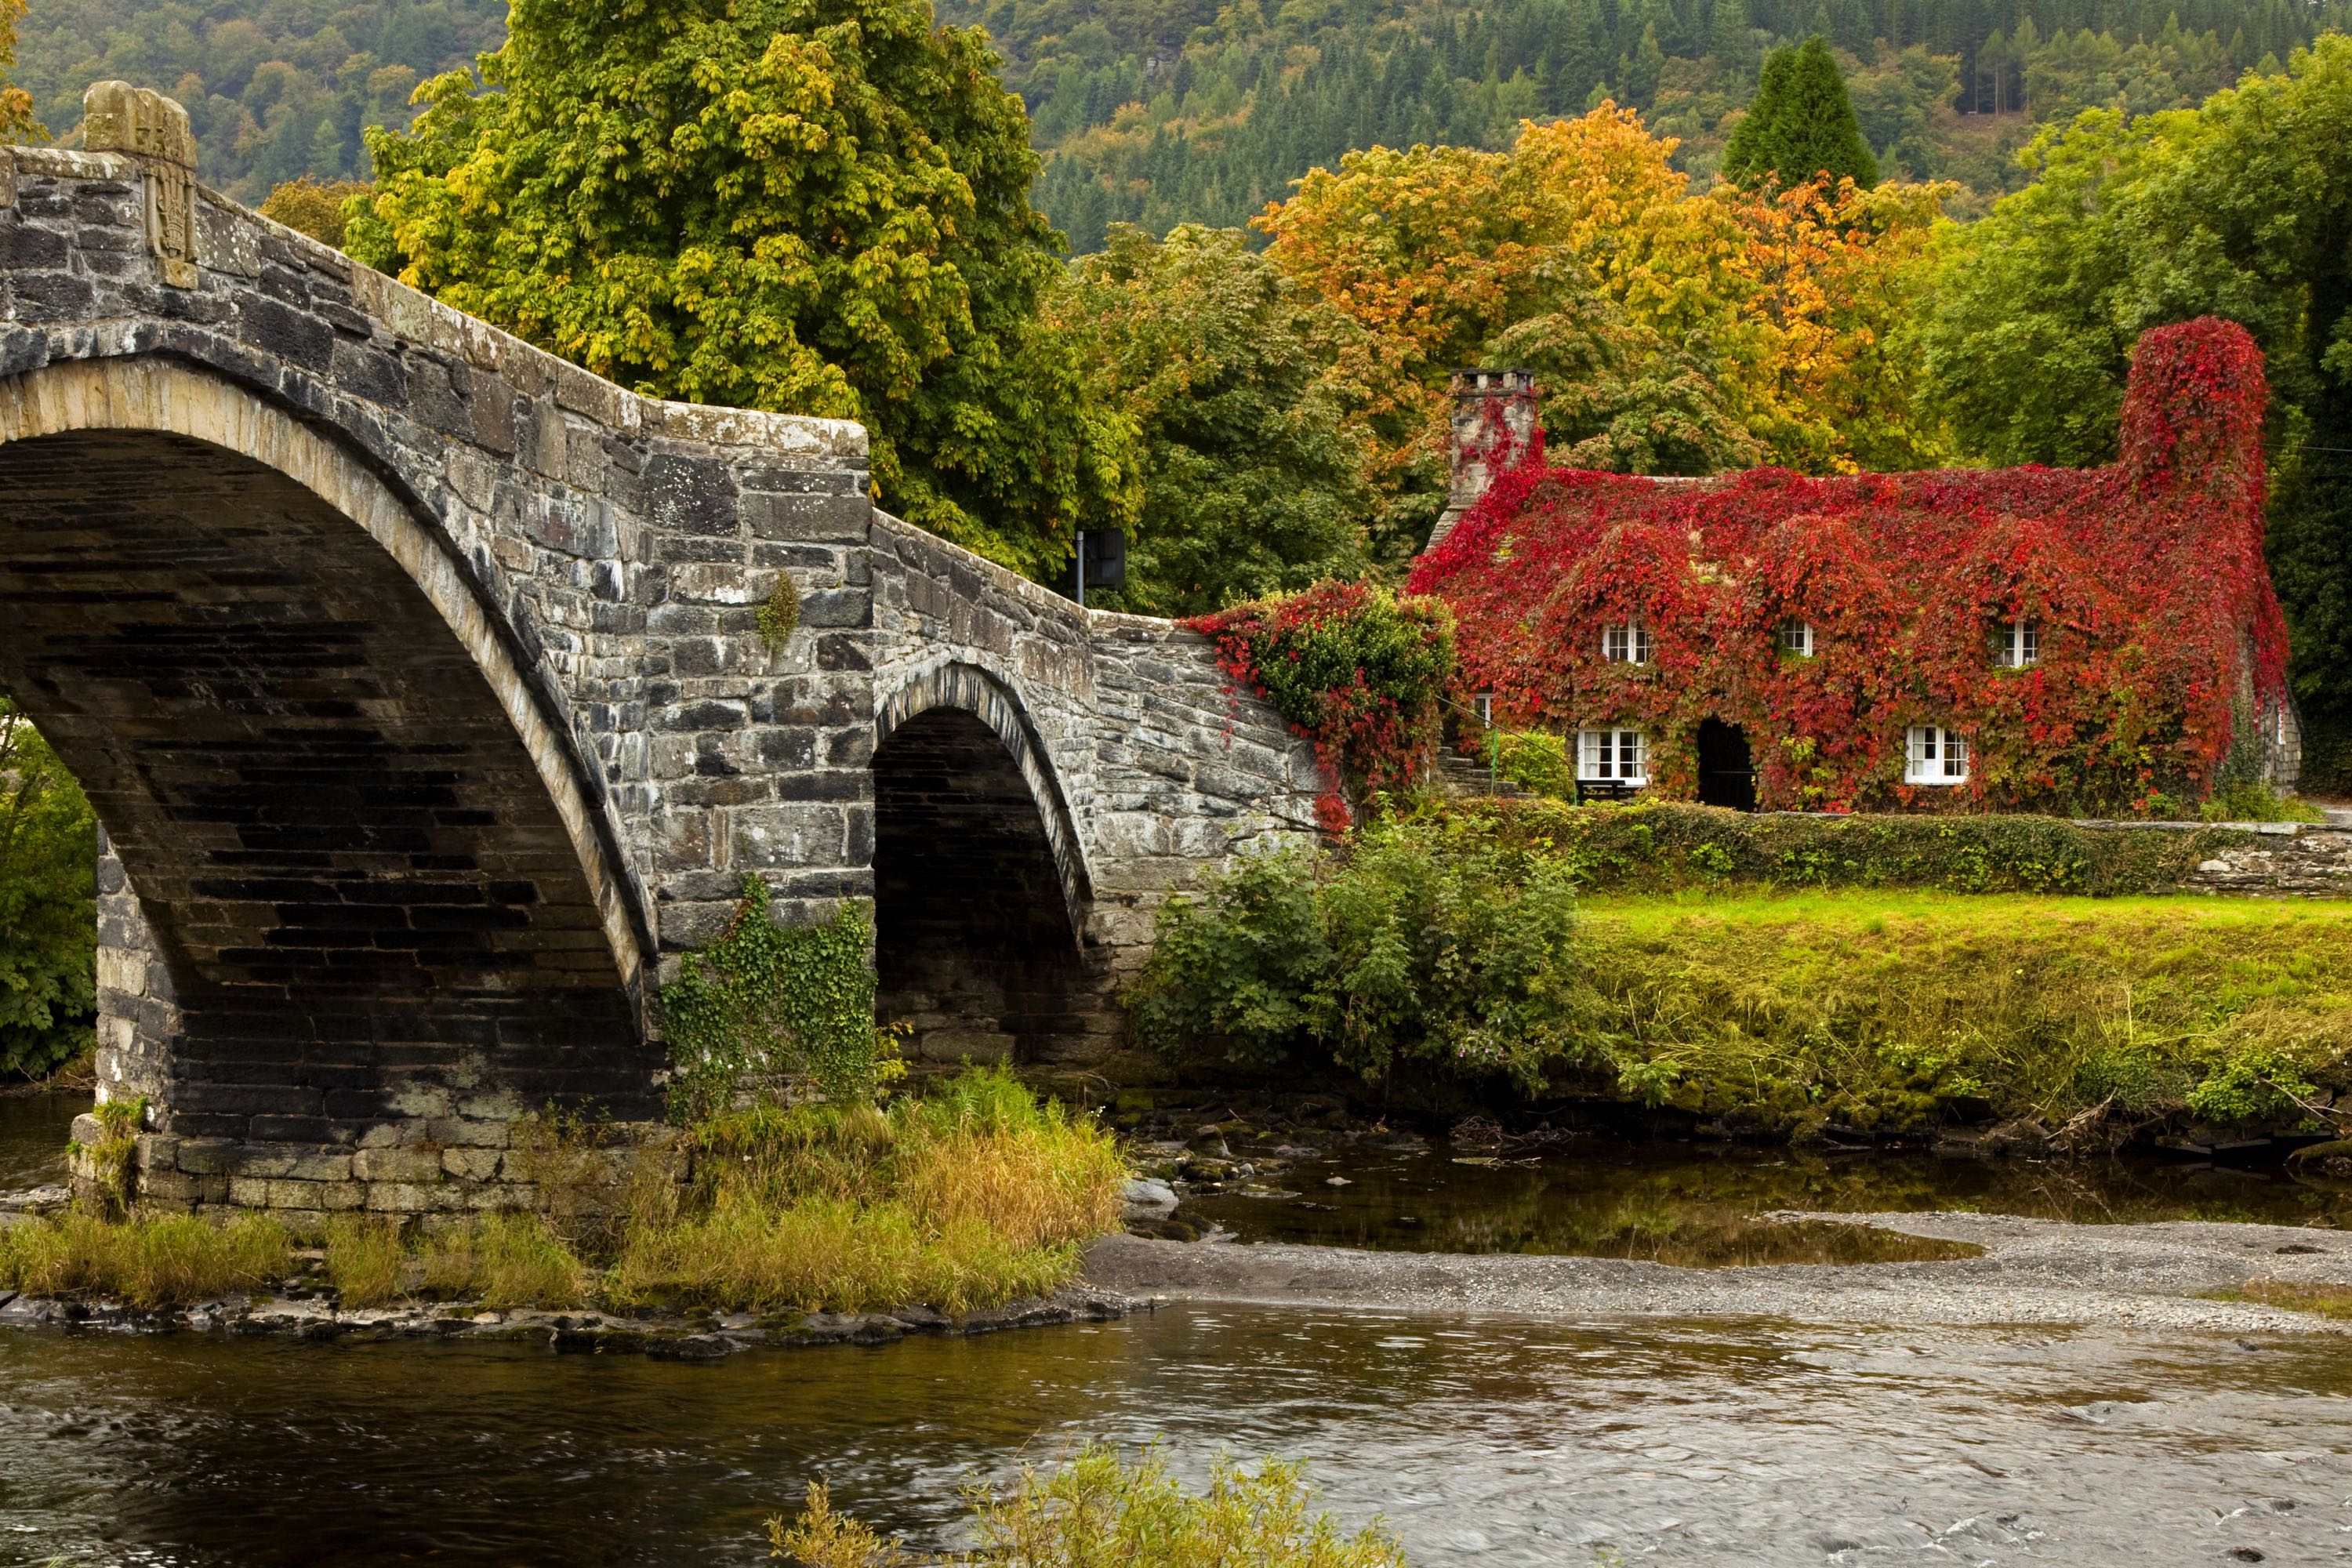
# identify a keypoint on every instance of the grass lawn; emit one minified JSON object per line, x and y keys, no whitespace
{"x":1880,"y":1007}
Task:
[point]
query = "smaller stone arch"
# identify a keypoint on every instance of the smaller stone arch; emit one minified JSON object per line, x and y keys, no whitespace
{"x":981,"y":898}
{"x":969,"y":689}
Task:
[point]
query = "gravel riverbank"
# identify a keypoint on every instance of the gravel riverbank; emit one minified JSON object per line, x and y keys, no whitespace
{"x":2032,"y":1271}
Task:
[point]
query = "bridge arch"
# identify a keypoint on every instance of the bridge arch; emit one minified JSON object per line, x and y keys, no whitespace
{"x":981,"y":892}
{"x":374,"y":867}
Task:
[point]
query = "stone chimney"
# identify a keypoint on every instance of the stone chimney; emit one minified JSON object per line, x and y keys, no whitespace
{"x":1494,"y":417}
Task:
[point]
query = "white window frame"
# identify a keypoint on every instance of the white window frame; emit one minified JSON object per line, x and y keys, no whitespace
{"x":2020,"y":643}
{"x":1934,"y":757}
{"x":1613,"y":756}
{"x":1803,"y":644}
{"x":1482,"y":704}
{"x":1627,"y":642}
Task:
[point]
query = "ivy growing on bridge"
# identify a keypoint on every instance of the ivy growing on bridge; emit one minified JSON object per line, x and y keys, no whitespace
{"x":769,"y":1008}
{"x":1356,"y":669}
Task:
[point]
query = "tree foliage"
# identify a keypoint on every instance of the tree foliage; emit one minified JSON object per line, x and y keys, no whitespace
{"x":1252,"y":472}
{"x":811,"y":205}
{"x":273,"y":91}
{"x":1801,"y":125}
{"x":2240,"y":208}
{"x":49,"y":921}
{"x":1672,"y":331}
{"x":1161,"y":111}
{"x":315,"y":208}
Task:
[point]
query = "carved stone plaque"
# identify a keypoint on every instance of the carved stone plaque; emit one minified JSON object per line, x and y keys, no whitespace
{"x":120,"y":118}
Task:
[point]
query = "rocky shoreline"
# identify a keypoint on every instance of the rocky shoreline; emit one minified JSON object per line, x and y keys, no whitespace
{"x":665,"y":1337}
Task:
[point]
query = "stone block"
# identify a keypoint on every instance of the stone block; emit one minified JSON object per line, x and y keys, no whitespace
{"x":471,"y":1165}
{"x":410,"y":1166}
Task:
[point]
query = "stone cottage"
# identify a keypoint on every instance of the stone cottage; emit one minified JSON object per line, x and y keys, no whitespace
{"x":2101,"y":641}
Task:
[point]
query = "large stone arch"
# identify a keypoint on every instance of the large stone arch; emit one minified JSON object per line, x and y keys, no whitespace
{"x":981,"y":886}
{"x":374,"y":867}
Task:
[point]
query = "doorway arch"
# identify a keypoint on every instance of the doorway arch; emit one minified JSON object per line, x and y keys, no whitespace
{"x":1727,"y":768}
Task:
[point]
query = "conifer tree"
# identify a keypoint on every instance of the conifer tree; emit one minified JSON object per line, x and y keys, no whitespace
{"x":1801,"y":124}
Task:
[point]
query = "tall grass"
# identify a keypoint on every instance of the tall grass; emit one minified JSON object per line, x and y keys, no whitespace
{"x":147,"y":1262}
{"x":973,"y":1194}
{"x":1097,"y":1509}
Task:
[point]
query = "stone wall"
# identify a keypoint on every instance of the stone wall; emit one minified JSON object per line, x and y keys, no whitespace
{"x":2286,"y":860}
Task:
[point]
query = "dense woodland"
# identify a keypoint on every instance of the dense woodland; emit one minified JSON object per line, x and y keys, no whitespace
{"x":1170,"y":111}
{"x":1173,"y":110}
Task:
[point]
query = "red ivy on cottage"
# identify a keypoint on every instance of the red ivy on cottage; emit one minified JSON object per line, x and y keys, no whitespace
{"x":1355,"y":669}
{"x":2158,"y":627}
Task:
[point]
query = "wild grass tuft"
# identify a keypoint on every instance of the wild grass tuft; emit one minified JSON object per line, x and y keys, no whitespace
{"x":503,"y":1261}
{"x":972,"y":1196}
{"x":365,"y":1256}
{"x":2322,"y":1300}
{"x":1096,"y":1508}
{"x":163,"y":1261}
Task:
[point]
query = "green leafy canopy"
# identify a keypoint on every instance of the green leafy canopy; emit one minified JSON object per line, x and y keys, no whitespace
{"x":817,"y":206}
{"x":48,"y":925}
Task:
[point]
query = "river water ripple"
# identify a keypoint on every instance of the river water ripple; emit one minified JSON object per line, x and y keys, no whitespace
{"x":1481,"y":1441}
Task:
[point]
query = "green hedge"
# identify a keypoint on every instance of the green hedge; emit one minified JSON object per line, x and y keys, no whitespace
{"x":1663,"y":848}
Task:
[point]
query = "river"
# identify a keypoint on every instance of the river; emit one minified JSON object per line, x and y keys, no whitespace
{"x":1480,"y":1440}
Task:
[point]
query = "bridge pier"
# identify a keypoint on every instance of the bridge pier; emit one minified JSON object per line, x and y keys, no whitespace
{"x":418,"y":680}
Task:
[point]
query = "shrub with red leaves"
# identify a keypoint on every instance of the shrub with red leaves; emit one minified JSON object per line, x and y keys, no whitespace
{"x":2157,"y":625}
{"x":1356,"y":669}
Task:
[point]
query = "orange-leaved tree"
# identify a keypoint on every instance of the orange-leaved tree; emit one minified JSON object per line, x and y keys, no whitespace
{"x":1676,"y":332}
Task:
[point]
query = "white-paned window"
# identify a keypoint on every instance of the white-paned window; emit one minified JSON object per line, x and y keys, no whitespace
{"x":1797,"y":637}
{"x":2016,"y":643}
{"x":1935,"y":755}
{"x":1482,"y":704}
{"x":1626,"y":643}
{"x":1612,"y":756}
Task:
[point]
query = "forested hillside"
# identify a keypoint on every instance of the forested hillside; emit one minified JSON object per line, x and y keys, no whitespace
{"x":275,"y":89}
{"x":1161,"y":112}
{"x":1158,"y":111}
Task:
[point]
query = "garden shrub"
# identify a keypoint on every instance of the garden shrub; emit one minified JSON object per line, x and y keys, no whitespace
{"x":1358,"y":671}
{"x":1431,"y":942}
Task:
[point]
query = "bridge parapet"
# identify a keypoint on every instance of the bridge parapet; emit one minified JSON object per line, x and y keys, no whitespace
{"x":418,"y":678}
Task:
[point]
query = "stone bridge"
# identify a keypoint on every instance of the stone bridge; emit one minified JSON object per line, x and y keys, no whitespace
{"x":420,"y":684}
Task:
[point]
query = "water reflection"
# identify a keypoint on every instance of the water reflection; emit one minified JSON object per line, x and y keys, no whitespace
{"x":1697,"y":1203}
{"x":1481,"y":1440}
{"x":33,"y":1133}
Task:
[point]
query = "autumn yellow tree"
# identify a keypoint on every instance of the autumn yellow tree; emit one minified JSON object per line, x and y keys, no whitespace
{"x":1676,"y":332}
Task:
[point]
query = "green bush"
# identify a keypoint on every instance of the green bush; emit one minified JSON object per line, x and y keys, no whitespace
{"x":1431,"y":942}
{"x":48,"y":916}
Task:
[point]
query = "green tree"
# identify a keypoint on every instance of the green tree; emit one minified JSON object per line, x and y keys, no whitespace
{"x":1800,"y":125}
{"x":2242,"y":208}
{"x":48,"y":918}
{"x":819,"y":206}
{"x":1252,"y":479}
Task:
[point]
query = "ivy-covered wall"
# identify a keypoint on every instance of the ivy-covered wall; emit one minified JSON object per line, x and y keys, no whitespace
{"x":2160,"y":641}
